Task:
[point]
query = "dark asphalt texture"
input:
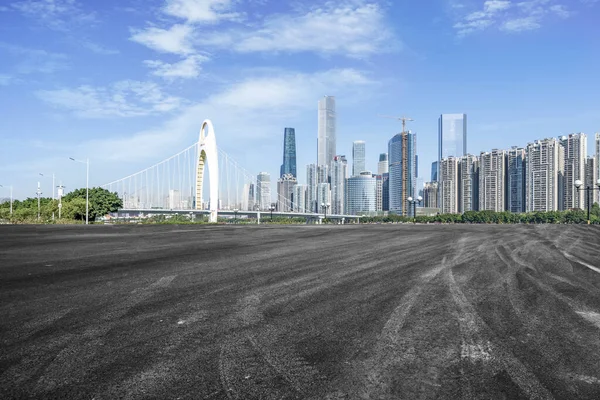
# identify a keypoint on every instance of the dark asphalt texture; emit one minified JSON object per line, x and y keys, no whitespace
{"x":300,"y":312}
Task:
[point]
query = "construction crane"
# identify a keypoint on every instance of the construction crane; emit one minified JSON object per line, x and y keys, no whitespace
{"x":403,"y":119}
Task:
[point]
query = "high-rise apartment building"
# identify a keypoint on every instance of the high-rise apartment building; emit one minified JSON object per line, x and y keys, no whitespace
{"x":515,"y":171}
{"x":362,"y":194}
{"x":448,"y":181}
{"x":358,"y":157}
{"x":402,"y":151}
{"x":311,"y":190}
{"x":323,"y":197}
{"x":575,"y":152}
{"x":248,"y":197}
{"x":544,"y":167}
{"x":452,"y":135}
{"x":591,"y":178}
{"x":289,"y":153}
{"x":339,"y":170}
{"x":174,"y":199}
{"x":323,"y":173}
{"x":468,"y":183}
{"x":492,"y":180}
{"x":285,"y":193}
{"x":327,"y":131}
{"x":300,"y":192}
{"x":378,"y":193}
{"x":382,"y":165}
{"x":430,"y":194}
{"x":263,"y":190}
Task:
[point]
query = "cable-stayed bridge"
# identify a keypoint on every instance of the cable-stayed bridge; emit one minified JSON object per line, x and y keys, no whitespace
{"x":177,"y":184}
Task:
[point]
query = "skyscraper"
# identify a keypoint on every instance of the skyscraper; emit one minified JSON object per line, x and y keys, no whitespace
{"x":385,"y":191}
{"x":402,"y":149}
{"x":358,"y":157}
{"x":492,"y":173}
{"x":452,"y":135}
{"x":434,"y":171}
{"x":285,"y":193}
{"x":289,"y":153}
{"x":468,"y":183}
{"x":327,"y":131}
{"x":263,"y":190}
{"x":544,"y":168}
{"x":311,"y":190}
{"x":378,"y":192}
{"x":300,"y":192}
{"x":339,"y":170}
{"x":323,"y":197}
{"x":382,"y":165}
{"x":575,"y":152}
{"x":362,"y":194}
{"x":516,"y":180}
{"x":591,"y":177}
{"x":248,"y":197}
{"x":448,"y":181}
{"x":430,"y":195}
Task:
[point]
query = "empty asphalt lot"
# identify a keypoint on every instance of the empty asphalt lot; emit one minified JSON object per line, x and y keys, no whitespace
{"x":304,"y":312}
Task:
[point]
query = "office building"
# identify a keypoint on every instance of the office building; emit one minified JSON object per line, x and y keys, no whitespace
{"x":285,"y":193}
{"x":575,"y":153}
{"x":263,"y":190}
{"x":300,"y":195}
{"x":358,"y":157}
{"x":434,"y":171}
{"x":385,"y":191}
{"x":382,"y":165}
{"x":430,"y":195}
{"x":402,"y":149}
{"x":452,"y":136}
{"x":544,"y":167}
{"x":468,"y":183}
{"x":515,"y":171}
{"x":492,"y":180}
{"x":591,"y":178}
{"x":289,"y":153}
{"x":339,"y":170}
{"x":248,"y":197}
{"x":174,"y":199}
{"x":362,"y":194}
{"x":448,"y":182}
{"x":323,"y":197}
{"x":311,"y":190}
{"x":378,"y":192}
{"x":326,"y":141}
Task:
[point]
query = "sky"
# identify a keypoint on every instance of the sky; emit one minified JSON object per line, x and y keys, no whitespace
{"x":127,"y":83}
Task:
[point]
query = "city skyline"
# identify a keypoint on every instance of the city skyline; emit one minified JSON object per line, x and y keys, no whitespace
{"x":128,"y":86}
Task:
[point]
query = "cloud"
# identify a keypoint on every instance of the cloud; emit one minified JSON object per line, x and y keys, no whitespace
{"x":55,"y":14}
{"x":510,"y":16}
{"x":98,"y":48}
{"x":35,"y":60}
{"x":174,"y":40}
{"x":5,"y":79}
{"x":200,"y":11}
{"x":189,"y":67}
{"x":122,"y":99}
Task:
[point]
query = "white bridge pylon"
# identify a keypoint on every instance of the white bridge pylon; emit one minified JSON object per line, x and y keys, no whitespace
{"x":207,"y":153}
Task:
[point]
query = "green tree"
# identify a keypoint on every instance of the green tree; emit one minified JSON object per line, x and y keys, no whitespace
{"x":101,"y":201}
{"x":73,"y":209}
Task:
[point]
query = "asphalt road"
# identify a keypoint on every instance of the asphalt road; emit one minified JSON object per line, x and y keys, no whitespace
{"x":304,"y":312}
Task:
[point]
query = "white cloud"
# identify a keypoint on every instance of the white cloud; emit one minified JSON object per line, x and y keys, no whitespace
{"x":55,"y":14}
{"x":122,"y":99}
{"x":5,"y":79}
{"x":98,"y":48}
{"x":510,"y":16}
{"x":174,"y":40}
{"x":200,"y":10}
{"x":35,"y":60}
{"x":189,"y":67}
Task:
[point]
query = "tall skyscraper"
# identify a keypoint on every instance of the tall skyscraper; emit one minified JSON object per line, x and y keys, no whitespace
{"x":382,"y":165}
{"x":591,"y":177}
{"x":448,"y":178}
{"x":516,"y":180}
{"x":311,"y":190}
{"x":358,"y":157}
{"x":300,"y":192}
{"x":434,"y":171}
{"x":544,"y":167}
{"x":248,"y":197}
{"x":323,"y":197}
{"x":362,"y":194}
{"x":430,"y":194}
{"x":289,"y":153}
{"x":402,"y":150}
{"x":378,"y":192}
{"x":339,"y":170}
{"x":452,"y":135}
{"x":492,"y":180}
{"x":597,"y":140}
{"x":385,"y":191}
{"x":174,"y":199}
{"x":575,"y":152}
{"x":327,"y":131}
{"x":263,"y":190}
{"x":285,"y":193}
{"x":323,"y":173}
{"x":468,"y":183}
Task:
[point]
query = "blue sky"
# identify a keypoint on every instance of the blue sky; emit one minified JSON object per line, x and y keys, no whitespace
{"x":128,"y":83}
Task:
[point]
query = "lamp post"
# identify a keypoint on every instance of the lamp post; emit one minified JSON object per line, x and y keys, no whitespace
{"x":235,"y":211}
{"x":272,"y":208}
{"x":87,"y":187}
{"x":38,"y":193}
{"x":53,"y":187}
{"x":325,"y":207}
{"x":11,"y":198}
{"x":414,"y":202}
{"x":589,"y":190}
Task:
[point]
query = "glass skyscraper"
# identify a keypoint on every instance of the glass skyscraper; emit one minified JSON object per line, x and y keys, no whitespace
{"x":362,"y":194}
{"x":327,"y":131}
{"x":358,"y":157}
{"x":402,"y":149}
{"x":452,"y":140}
{"x":289,"y":153}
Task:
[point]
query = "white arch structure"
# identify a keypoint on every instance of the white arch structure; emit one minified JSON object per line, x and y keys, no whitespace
{"x":207,"y":153}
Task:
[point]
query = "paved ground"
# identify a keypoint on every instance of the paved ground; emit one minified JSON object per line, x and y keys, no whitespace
{"x":317,"y":312}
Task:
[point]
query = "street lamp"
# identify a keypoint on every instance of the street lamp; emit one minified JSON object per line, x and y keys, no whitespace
{"x":235,"y":211}
{"x":414,"y":202}
{"x":53,"y":197}
{"x":272,"y":208}
{"x":87,"y":186}
{"x":325,"y":207}
{"x":11,"y":197}
{"x":589,"y":190}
